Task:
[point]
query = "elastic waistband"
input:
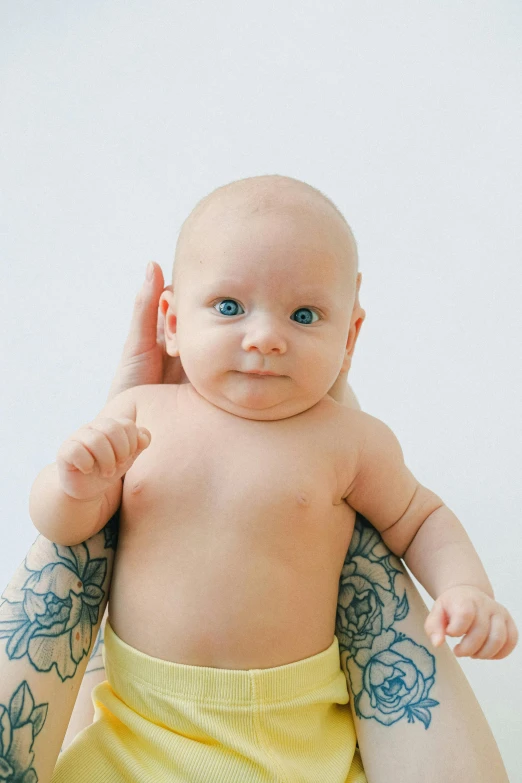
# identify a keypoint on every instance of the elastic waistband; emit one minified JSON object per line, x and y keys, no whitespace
{"x":238,"y":686}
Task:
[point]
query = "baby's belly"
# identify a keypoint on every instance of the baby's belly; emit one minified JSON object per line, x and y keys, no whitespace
{"x":227,"y":604}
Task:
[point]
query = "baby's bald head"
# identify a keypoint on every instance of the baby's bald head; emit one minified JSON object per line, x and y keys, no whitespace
{"x":271,"y":249}
{"x":262,"y":195}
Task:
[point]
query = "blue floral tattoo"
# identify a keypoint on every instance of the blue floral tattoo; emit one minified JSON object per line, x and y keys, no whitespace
{"x":20,"y":722}
{"x":47,"y":614}
{"x":52,"y":603}
{"x":390,"y":675}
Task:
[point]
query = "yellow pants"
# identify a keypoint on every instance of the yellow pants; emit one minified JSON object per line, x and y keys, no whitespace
{"x":160,"y":721}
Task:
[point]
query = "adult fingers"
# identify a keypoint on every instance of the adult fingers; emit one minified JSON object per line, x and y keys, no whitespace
{"x":143,"y":330}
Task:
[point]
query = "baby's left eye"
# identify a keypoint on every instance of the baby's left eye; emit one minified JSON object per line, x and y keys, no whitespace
{"x":302,"y":316}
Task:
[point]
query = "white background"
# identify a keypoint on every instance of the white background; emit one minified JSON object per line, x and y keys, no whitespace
{"x":118,"y":116}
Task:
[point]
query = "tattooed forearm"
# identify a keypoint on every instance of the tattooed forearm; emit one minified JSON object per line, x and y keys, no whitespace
{"x":49,"y":615}
{"x":52,"y":603}
{"x":390,"y":674}
{"x":96,"y":660}
{"x":20,"y":722}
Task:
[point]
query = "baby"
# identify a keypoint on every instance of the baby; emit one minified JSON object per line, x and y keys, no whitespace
{"x":238,"y":490}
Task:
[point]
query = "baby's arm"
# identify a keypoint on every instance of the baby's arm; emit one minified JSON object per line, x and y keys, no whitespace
{"x":418,"y":527}
{"x":73,"y":498}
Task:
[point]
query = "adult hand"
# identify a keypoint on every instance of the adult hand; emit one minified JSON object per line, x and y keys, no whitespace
{"x":144,"y":359}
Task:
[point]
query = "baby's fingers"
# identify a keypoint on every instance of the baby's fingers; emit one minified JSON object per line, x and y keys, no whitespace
{"x":507,"y":630}
{"x":511,"y":642}
{"x":451,"y":616}
{"x":436,"y":622}
{"x":121,"y":436}
{"x":476,"y":637}
{"x":125,"y":441}
{"x":75,"y":455}
{"x":494,"y":640}
{"x":87,"y":449}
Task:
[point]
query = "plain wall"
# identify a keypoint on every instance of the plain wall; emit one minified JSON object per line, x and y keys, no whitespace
{"x":118,"y":116}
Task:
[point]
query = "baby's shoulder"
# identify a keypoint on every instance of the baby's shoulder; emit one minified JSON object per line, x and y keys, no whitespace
{"x":350,"y":417}
{"x":149,"y":396}
{"x":372,"y":438}
{"x":355,"y":427}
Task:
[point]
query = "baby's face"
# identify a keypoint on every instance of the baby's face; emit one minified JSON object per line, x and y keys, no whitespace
{"x":269,"y":292}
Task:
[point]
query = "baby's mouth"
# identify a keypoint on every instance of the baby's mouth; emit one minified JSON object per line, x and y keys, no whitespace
{"x":258,"y":374}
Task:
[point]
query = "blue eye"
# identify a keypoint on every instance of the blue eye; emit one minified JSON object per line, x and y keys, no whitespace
{"x":227,"y":306}
{"x":302,"y":319}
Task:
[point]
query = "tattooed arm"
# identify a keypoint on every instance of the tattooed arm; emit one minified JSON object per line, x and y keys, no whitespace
{"x":50,"y":613}
{"x":416,"y":716}
{"x":83,"y":712}
{"x":52,"y":609}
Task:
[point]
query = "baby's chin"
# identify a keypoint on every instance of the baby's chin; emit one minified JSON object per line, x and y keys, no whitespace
{"x":253,"y":400}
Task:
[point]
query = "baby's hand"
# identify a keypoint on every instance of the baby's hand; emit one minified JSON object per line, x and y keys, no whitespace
{"x":487,"y":626}
{"x":98,"y":455}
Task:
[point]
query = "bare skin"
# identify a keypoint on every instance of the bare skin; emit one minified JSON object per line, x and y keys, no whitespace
{"x":446,"y":752}
{"x":295,"y":515}
{"x":193,"y":646}
{"x":145,"y":358}
{"x":265,"y":471}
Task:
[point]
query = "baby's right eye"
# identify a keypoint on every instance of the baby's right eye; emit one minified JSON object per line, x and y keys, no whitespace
{"x":227,"y":306}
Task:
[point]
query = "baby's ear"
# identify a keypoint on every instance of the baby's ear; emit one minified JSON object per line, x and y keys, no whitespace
{"x":167,"y":309}
{"x":166,"y":300}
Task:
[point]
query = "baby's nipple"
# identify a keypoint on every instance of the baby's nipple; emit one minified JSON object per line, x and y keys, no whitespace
{"x":303,"y":499}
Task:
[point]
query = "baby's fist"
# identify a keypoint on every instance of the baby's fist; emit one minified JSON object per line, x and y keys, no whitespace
{"x":487,"y":626}
{"x":99,"y":454}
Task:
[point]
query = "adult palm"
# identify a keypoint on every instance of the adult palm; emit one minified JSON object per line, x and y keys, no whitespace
{"x":144,"y":359}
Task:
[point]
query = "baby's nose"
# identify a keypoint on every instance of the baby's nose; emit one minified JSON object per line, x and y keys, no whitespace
{"x":265,"y":337}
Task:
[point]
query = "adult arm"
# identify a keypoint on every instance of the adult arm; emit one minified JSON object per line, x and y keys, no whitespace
{"x":83,"y":712}
{"x":53,"y":607}
{"x":50,"y":613}
{"x":416,"y":716}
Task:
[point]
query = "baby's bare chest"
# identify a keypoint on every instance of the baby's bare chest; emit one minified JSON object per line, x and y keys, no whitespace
{"x":244,"y":484}
{"x":232,"y":532}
